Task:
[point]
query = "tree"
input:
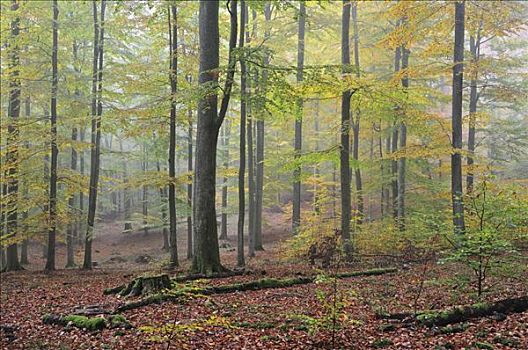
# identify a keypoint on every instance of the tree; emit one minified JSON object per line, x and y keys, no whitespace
{"x":242,"y":141}
{"x":296,"y":216}
{"x":456,"y":121}
{"x":355,"y":123}
{"x":345,"y":128}
{"x":189,"y":185}
{"x":225,"y":142}
{"x":97,"y":110}
{"x":12,"y":163}
{"x":474,"y":49}
{"x":50,"y":262}
{"x":206,"y":257}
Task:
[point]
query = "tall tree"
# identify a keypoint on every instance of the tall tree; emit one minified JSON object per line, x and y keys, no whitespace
{"x":225,"y":143}
{"x":206,"y":257}
{"x":356,"y":122}
{"x":394,"y":147}
{"x":260,"y":140}
{"x":345,"y":129}
{"x":242,"y":149}
{"x":12,"y":161}
{"x":296,"y":216}
{"x":403,"y":144}
{"x":144,"y":190}
{"x":70,"y":232}
{"x":456,"y":121}
{"x":173,"y":43}
{"x":250,"y":149}
{"x":189,"y":185}
{"x":474,"y":48}
{"x":97,"y":110}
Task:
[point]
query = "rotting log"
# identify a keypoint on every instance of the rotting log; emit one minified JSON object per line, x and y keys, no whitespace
{"x":265,"y":283}
{"x":89,"y":323}
{"x":462,"y":313}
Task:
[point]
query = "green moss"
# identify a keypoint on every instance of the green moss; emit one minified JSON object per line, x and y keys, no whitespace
{"x":255,"y":325}
{"x":511,"y":342}
{"x":92,"y":324}
{"x":117,"y":321}
{"x":484,"y":346}
{"x":382,"y":343}
{"x":453,"y":329}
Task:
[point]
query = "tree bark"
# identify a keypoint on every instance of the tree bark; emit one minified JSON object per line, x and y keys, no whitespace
{"x":296,"y":216}
{"x":97,"y":109}
{"x":144,"y":190}
{"x":474,"y":46}
{"x":394,"y":148}
{"x":190,"y":185}
{"x":403,"y":144}
{"x":173,"y":44}
{"x":242,"y":145}
{"x":223,"y":231}
{"x":456,"y":122}
{"x":355,"y":125}
{"x":13,"y":131}
{"x":206,"y":258}
{"x":345,"y":129}
{"x":70,"y":233}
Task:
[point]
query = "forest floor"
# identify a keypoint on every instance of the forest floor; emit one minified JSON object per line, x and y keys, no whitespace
{"x":278,"y":318}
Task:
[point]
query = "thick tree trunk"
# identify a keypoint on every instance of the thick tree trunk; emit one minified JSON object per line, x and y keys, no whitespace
{"x":355,"y":125}
{"x":345,"y":133}
{"x":474,"y":46}
{"x":97,"y":109}
{"x":225,"y":143}
{"x":456,"y":157}
{"x":206,"y":258}
{"x":173,"y":44}
{"x":296,"y":216}
{"x":12,"y":164}
{"x":242,"y":148}
{"x":403,"y":144}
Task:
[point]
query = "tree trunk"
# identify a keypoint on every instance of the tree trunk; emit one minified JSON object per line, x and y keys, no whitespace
{"x":190,"y":185}
{"x":394,"y":148}
{"x":12,"y":163}
{"x":144,"y":190}
{"x":97,"y":109}
{"x":173,"y":44}
{"x":206,"y":257}
{"x":355,"y":125}
{"x":474,"y":46}
{"x":296,"y":217}
{"x":345,"y":137}
{"x":456,"y":122}
{"x":70,"y":233}
{"x":163,"y":200}
{"x":251,"y":158}
{"x":81,"y":193}
{"x":403,"y":144}
{"x":126,"y":194}
{"x":260,"y":143}
{"x":223,"y":231}
{"x":242,"y":147}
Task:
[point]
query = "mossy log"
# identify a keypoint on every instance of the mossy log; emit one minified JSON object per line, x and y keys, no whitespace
{"x":146,"y":285}
{"x":464,"y":313}
{"x":265,"y":283}
{"x":89,"y":323}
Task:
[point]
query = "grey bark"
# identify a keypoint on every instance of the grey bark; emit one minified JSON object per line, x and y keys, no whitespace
{"x":345,"y":129}
{"x":403,"y":144}
{"x":394,"y":148}
{"x":456,"y":122}
{"x":97,"y":109}
{"x":225,"y":143}
{"x":189,"y":186}
{"x":206,"y":257}
{"x":474,"y":47}
{"x":296,"y":216}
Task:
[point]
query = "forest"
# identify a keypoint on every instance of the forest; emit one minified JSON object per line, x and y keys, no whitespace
{"x":264,"y":174}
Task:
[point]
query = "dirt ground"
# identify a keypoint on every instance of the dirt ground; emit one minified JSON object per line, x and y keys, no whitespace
{"x":279,"y":318}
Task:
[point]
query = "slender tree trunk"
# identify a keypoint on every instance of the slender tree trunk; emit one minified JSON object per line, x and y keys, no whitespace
{"x":70,"y":233}
{"x":97,"y":109}
{"x":474,"y":46}
{"x":189,"y":185}
{"x":206,"y":257}
{"x":260,"y":143}
{"x":144,"y":200}
{"x":81,"y":193}
{"x":126,"y":193}
{"x":296,"y":217}
{"x":346,"y":207}
{"x":355,"y":125}
{"x":403,"y":144}
{"x":394,"y":148}
{"x":251,"y":158}
{"x":223,"y":231}
{"x":173,"y":44}
{"x":456,"y":157}
{"x":163,"y":200}
{"x":242,"y":149}
{"x":387,"y":174}
{"x":25,"y":214}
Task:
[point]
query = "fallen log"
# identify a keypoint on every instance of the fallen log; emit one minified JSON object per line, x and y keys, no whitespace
{"x":89,"y":323}
{"x":265,"y":283}
{"x":463,"y":313}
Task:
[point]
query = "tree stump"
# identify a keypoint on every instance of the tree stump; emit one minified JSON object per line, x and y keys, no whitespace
{"x":146,"y":285}
{"x":128,"y":227}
